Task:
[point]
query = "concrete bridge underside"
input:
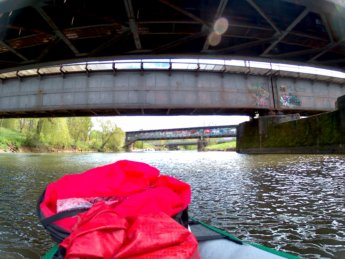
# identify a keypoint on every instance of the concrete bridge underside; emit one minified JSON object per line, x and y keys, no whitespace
{"x":163,"y":93}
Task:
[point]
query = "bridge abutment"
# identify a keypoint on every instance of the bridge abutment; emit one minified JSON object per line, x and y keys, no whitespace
{"x":202,"y":143}
{"x":323,"y":133}
{"x":129,"y":147}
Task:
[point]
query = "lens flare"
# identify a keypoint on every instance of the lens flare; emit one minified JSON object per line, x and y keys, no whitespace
{"x":221,"y":25}
{"x":214,"y":38}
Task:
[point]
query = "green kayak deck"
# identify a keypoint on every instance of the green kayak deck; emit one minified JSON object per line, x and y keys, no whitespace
{"x":219,"y":244}
{"x":215,"y":243}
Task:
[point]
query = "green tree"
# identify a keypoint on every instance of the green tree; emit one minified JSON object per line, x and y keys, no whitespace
{"x":22,"y":123}
{"x":39,"y":125}
{"x":111,"y":135}
{"x":139,"y":144}
{"x":55,"y":132}
{"x":95,"y":139}
{"x":12,"y":124}
{"x":31,"y":128}
{"x":116,"y":141}
{"x":79,"y":128}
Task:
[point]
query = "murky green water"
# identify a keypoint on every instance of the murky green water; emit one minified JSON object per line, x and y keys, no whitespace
{"x":291,"y":202}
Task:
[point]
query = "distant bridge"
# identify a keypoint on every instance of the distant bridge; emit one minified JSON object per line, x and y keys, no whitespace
{"x":181,"y":133}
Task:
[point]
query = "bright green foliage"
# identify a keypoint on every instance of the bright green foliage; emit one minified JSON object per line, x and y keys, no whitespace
{"x":9,"y":124}
{"x":28,"y":125}
{"x":55,"y":132}
{"x":143,"y":145}
{"x":95,"y":139}
{"x":79,"y":129}
{"x":61,"y":133}
{"x":189,"y":147}
{"x":112,"y":137}
{"x":222,"y":147}
{"x":116,"y":140}
{"x":212,"y":141}
{"x":31,"y":128}
{"x":25,"y":128}
{"x":10,"y":138}
{"x":148,"y":146}
{"x":139,"y":144}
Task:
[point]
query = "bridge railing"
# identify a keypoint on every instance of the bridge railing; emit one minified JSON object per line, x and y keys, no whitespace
{"x":192,"y":64}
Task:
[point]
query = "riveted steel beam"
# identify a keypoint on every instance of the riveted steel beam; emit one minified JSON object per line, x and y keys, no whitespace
{"x":13,"y":51}
{"x":181,"y":10}
{"x":132,"y":23}
{"x":264,"y":15}
{"x":56,"y":30}
{"x":287,"y":31}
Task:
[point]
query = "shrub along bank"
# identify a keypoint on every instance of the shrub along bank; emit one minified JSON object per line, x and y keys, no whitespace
{"x":59,"y":134}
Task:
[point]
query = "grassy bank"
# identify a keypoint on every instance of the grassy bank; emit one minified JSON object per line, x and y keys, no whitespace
{"x":11,"y":141}
{"x":228,"y":146}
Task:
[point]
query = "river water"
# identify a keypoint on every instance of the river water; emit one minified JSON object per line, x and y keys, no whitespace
{"x":290,"y":202}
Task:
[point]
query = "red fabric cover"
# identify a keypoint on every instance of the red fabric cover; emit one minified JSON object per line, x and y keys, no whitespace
{"x":101,"y":233}
{"x":140,"y":184}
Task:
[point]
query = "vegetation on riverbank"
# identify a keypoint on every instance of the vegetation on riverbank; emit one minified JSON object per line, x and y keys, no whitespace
{"x":77,"y":134}
{"x":59,"y":134}
{"x":227,"y":146}
{"x":10,"y":140}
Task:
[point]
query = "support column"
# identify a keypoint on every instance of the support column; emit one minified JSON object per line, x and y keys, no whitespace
{"x":129,"y":147}
{"x":319,"y":134}
{"x":201,"y":144}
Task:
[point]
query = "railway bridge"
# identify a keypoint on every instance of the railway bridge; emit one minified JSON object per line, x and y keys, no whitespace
{"x":199,"y":133}
{"x":165,"y":57}
{"x":169,"y":87}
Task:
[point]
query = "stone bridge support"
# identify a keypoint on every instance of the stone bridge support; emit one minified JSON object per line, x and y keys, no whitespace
{"x":323,"y":133}
{"x":129,"y":147}
{"x":202,"y":143}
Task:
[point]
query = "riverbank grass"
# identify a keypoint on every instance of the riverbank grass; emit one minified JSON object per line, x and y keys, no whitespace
{"x":10,"y":139}
{"x":222,"y":147}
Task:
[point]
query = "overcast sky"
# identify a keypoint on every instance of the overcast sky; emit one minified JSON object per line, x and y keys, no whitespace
{"x":134,"y":123}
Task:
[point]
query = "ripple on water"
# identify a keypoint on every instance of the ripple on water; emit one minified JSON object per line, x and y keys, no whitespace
{"x":290,"y":202}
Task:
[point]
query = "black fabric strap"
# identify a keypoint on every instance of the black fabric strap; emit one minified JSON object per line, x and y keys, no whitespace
{"x":62,"y":215}
{"x":182,"y":218}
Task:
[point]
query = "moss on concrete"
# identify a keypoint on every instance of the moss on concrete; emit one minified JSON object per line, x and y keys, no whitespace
{"x":315,"y":134}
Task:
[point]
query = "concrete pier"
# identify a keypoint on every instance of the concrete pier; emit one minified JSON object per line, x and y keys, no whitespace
{"x":318,"y":134}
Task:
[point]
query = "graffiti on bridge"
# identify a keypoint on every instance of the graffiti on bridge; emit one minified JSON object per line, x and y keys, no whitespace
{"x":287,"y":99}
{"x":260,"y":93}
{"x":181,"y":133}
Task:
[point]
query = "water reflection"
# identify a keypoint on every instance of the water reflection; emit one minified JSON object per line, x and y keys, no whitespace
{"x":291,"y":202}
